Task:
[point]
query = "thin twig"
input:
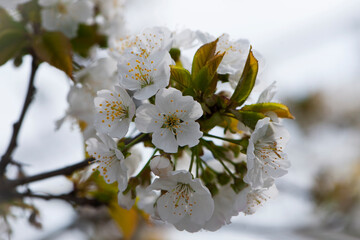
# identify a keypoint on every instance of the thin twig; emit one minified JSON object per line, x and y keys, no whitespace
{"x":62,"y":171}
{"x":70,"y":198}
{"x":6,"y":158}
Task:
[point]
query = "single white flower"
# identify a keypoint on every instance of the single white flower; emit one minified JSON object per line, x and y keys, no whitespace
{"x":148,"y":41}
{"x":145,"y":199}
{"x":98,"y":75}
{"x":171,"y":120}
{"x":65,"y":15}
{"x":224,"y":210}
{"x":115,"y":111}
{"x":184,"y":39}
{"x":268,"y":94}
{"x":143,"y":73}
{"x":249,"y":200}
{"x":186,"y":203}
{"x":160,"y":166}
{"x":110,"y":160}
{"x":126,"y":200}
{"x":81,"y":110}
{"x":110,"y":8}
{"x":236,"y":52}
{"x":132,"y":161}
{"x":265,"y":157}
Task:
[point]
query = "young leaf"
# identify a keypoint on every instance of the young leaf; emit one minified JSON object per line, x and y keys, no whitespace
{"x":180,"y":76}
{"x":248,"y":118}
{"x":202,"y":56}
{"x":30,"y":12}
{"x":246,"y":82}
{"x":281,"y":110}
{"x":6,"y":21}
{"x":55,"y":49}
{"x":212,"y":66}
{"x":12,"y":41}
{"x":127,"y":220}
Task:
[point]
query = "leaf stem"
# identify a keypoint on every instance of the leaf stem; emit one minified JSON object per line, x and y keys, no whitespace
{"x":147,"y":163}
{"x":235,"y":141}
{"x":134,"y":141}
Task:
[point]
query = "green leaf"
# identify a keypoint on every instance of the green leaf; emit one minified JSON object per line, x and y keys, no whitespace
{"x":212,"y":66}
{"x":12,"y":41}
{"x":180,"y":76}
{"x":281,"y":110}
{"x":202,"y":56}
{"x":248,"y":118}
{"x":6,"y":21}
{"x":246,"y":82}
{"x":202,"y":79}
{"x":87,"y":36}
{"x":55,"y":49}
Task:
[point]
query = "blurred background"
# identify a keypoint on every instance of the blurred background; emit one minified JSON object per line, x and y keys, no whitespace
{"x":312,"y":50}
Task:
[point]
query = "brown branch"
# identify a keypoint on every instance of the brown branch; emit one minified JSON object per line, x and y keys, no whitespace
{"x":6,"y":158}
{"x":62,"y":171}
{"x":70,"y":198}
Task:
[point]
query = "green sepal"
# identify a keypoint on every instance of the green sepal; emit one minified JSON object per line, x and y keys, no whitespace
{"x":248,"y":118}
{"x":212,"y":188}
{"x":223,"y":178}
{"x":207,"y":175}
{"x":238,"y":185}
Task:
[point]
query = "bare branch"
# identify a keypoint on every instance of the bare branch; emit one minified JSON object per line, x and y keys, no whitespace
{"x":70,"y":198}
{"x":62,"y":171}
{"x":6,"y":158}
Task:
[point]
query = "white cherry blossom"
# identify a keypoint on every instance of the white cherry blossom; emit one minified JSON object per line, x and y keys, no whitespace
{"x":224,"y":210}
{"x":160,"y":166}
{"x":186,"y":203}
{"x":265,"y":157}
{"x":110,"y":160}
{"x":149,"y":40}
{"x":268,"y":94}
{"x":249,"y":200}
{"x":65,"y":15}
{"x":115,"y":110}
{"x":99,"y":75}
{"x":144,"y":73}
{"x":236,"y":52}
{"x":171,"y":120}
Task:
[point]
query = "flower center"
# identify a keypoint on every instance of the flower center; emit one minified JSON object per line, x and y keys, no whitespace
{"x":116,"y":110}
{"x":62,"y":8}
{"x":171,"y":122}
{"x":142,"y":69}
{"x":105,"y":161}
{"x":181,"y":197}
{"x":268,"y":149}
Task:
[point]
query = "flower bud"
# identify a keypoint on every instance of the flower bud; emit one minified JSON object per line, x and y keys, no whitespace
{"x":160,"y":165}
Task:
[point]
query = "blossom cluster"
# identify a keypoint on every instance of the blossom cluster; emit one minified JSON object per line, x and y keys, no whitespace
{"x":145,"y":91}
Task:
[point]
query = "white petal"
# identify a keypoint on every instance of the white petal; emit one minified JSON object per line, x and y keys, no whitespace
{"x":189,"y":134}
{"x":147,"y":118}
{"x":165,"y":140}
{"x":167,"y":210}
